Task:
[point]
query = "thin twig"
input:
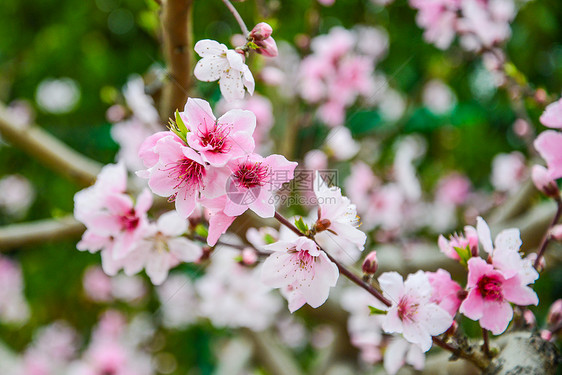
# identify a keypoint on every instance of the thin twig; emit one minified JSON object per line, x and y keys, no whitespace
{"x":486,"y":345}
{"x":547,"y":237}
{"x":236,"y":15}
{"x":48,"y":150}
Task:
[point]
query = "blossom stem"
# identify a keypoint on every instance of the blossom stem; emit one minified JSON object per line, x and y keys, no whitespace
{"x":546,"y":238}
{"x":347,"y":273}
{"x":486,"y":345}
{"x":238,"y":18}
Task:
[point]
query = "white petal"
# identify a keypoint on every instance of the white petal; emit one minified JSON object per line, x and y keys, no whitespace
{"x":209,"y":69}
{"x":208,"y":47}
{"x":484,"y":235}
{"x":231,"y":85}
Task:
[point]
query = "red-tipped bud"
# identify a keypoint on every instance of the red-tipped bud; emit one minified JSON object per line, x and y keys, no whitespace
{"x":261,"y":32}
{"x":370,"y":264}
{"x":543,"y":182}
{"x":556,"y":232}
{"x":554,"y":316}
{"x":267,"y":47}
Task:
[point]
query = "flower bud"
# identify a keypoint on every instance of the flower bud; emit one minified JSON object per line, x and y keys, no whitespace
{"x":267,"y":47}
{"x":261,"y":32}
{"x":546,"y":335}
{"x":370,"y":264}
{"x":529,"y":318}
{"x":556,"y":232}
{"x":543,"y":182}
{"x":249,"y":256}
{"x":554,"y":316}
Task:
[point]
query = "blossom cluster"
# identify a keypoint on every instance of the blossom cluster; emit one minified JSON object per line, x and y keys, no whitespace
{"x":340,"y":70}
{"x":479,"y":24}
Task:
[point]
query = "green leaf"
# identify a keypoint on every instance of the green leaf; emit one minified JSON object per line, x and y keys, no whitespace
{"x":375,"y":311}
{"x":464,"y":253}
{"x":179,"y":123}
{"x":201,"y":230}
{"x":268,"y":238}
{"x":299,"y":223}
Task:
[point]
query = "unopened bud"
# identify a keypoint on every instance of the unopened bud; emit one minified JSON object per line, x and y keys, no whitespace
{"x":322,"y":224}
{"x":554,"y":316}
{"x":267,"y":47}
{"x":249,"y":256}
{"x":529,"y":318}
{"x":541,"y":96}
{"x":543,"y":182}
{"x":370,"y":264}
{"x":452,"y":329}
{"x":261,"y":32}
{"x":546,"y":335}
{"x":556,"y":232}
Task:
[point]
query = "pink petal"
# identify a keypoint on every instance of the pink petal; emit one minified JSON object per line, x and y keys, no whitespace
{"x":549,"y":145}
{"x":199,"y":114}
{"x":185,"y":202}
{"x":496,"y":316}
{"x":519,"y":294}
{"x":473,"y":305}
{"x":552,"y":116}
{"x":218,"y":225}
{"x":241,"y":121}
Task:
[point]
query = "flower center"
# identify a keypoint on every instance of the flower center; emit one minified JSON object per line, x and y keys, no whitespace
{"x":490,"y":288}
{"x":129,"y":221}
{"x":251,"y":174}
{"x":407,"y":310}
{"x":216,"y":138}
{"x":187,"y":173}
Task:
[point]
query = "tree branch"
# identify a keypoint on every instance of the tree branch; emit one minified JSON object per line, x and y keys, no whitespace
{"x":48,"y":150}
{"x":41,"y":231}
{"x":177,"y":32}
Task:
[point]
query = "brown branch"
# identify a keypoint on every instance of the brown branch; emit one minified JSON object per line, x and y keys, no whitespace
{"x":177,"y":32}
{"x":48,"y":150}
{"x":17,"y":235}
{"x":547,"y":237}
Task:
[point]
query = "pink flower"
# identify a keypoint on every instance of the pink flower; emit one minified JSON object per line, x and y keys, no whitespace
{"x":490,"y":293}
{"x":220,"y":140}
{"x":549,"y":146}
{"x":468,"y":241}
{"x":261,"y":35}
{"x":552,"y":115}
{"x":180,"y":173}
{"x":302,"y":266}
{"x":445,"y":291}
{"x":97,"y":285}
{"x":121,"y":221}
{"x":252,"y":182}
{"x":227,"y":66}
{"x":453,"y":189}
{"x":337,"y":222}
{"x":162,"y":248}
{"x":412,"y":313}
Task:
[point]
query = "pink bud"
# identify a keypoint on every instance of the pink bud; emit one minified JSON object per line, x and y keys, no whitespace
{"x":543,"y":182}
{"x":529,"y":318}
{"x":261,"y":32}
{"x":267,"y":47}
{"x":554,"y":316}
{"x":249,"y":256}
{"x":546,"y":335}
{"x":370,"y":264}
{"x":556,"y":232}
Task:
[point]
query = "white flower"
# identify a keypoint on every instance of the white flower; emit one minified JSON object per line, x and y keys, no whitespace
{"x":227,"y":66}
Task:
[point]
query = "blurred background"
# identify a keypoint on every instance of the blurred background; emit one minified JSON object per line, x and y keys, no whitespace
{"x":63,"y":63}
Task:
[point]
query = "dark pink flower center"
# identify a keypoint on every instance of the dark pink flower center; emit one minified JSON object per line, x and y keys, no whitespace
{"x":187,"y":173}
{"x":406,"y":309}
{"x":490,"y":288}
{"x":251,"y":174}
{"x":216,"y":138}
{"x":129,"y":221}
